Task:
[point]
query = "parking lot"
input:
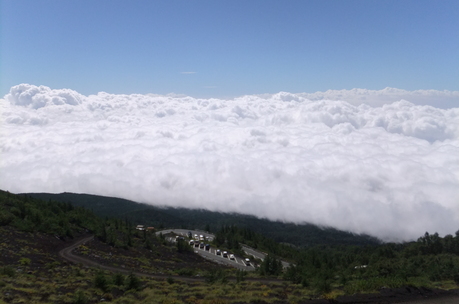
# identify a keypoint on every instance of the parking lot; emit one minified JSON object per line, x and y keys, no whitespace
{"x":211,"y":253}
{"x":234,"y":261}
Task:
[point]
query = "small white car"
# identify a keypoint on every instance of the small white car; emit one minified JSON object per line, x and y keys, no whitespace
{"x":232,"y":257}
{"x":247,"y":262}
{"x":218,"y":252}
{"x":225,"y":254}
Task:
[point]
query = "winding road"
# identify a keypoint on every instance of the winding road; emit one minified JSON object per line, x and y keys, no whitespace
{"x":67,"y":254}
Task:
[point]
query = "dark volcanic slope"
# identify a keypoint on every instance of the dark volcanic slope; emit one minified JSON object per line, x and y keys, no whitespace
{"x":300,"y":235}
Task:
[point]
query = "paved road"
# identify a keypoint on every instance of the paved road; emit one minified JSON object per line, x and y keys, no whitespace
{"x":238,"y":262}
{"x":210,"y":254}
{"x":260,"y":255}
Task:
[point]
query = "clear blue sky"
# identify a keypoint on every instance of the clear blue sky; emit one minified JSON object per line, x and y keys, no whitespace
{"x":232,"y":47}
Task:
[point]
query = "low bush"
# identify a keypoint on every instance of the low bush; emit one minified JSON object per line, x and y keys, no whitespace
{"x":186,"y":272}
{"x":24,"y":261}
{"x":133,"y":282}
{"x":118,"y":279}
{"x":216,"y":276}
{"x":80,"y":298}
{"x":101,"y":282}
{"x":8,"y":271}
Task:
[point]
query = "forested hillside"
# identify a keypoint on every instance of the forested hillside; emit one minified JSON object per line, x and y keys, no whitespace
{"x":426,"y":262}
{"x":327,"y":270}
{"x":305,"y":235}
{"x":35,"y":215}
{"x":430,"y":259}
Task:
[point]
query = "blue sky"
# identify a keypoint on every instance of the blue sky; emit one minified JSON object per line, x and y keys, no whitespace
{"x":229,"y":48}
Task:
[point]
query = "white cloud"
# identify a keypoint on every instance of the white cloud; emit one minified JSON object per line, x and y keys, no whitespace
{"x":376,"y":98}
{"x":390,"y":170}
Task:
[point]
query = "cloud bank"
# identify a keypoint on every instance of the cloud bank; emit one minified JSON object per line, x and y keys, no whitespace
{"x":439,"y":99}
{"x":390,"y":170}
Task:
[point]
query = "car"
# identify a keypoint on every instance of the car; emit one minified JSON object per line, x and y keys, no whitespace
{"x":196,"y":244}
{"x":201,"y":238}
{"x":191,"y":242}
{"x":247,"y":262}
{"x":207,"y":247}
{"x":232,"y":257}
{"x":201,"y":245}
{"x":225,"y":254}
{"x":218,"y":252}
{"x":189,"y":234}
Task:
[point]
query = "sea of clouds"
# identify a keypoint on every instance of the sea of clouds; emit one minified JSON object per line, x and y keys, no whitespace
{"x":358,"y":160}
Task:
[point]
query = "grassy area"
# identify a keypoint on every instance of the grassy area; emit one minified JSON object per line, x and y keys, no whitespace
{"x":62,"y":283}
{"x":74,"y":284}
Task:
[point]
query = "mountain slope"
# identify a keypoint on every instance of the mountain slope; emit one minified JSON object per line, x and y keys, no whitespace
{"x":304,"y":235}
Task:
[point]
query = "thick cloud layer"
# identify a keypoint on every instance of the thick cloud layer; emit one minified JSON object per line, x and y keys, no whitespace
{"x":391,"y":171}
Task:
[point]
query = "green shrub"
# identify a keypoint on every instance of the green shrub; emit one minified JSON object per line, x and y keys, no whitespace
{"x":240,"y":275}
{"x":170,"y":280}
{"x":118,"y":279}
{"x":186,"y":272}
{"x":5,"y":217}
{"x":100,"y":281}
{"x":24,"y":261}
{"x":216,"y":276}
{"x":456,"y":278}
{"x":322,"y":286}
{"x":133,"y":282}
{"x":8,"y":271}
{"x":80,"y":298}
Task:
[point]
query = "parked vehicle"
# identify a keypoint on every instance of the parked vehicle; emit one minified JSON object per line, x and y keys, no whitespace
{"x":191,"y":242}
{"x":196,"y":244}
{"x":201,"y":245}
{"x":247,"y":262}
{"x":190,"y":234}
{"x":207,"y":247}
{"x":225,"y":254}
{"x":232,"y":257}
{"x":219,"y":252}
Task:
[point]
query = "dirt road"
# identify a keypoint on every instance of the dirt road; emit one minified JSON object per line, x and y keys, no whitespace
{"x":67,"y":254}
